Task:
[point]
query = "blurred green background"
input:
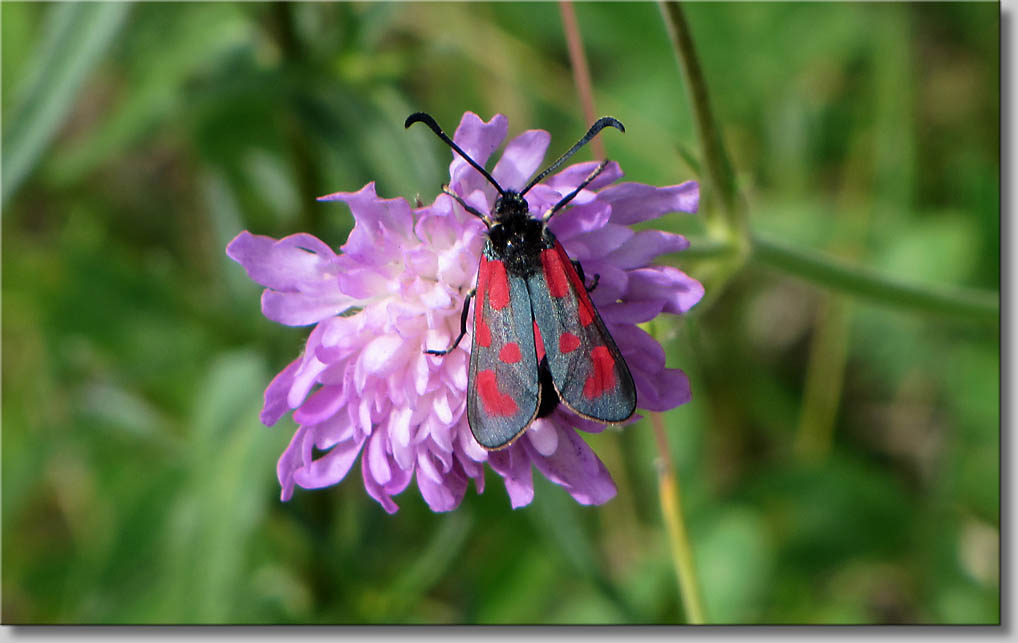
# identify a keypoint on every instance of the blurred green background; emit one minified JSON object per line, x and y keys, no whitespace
{"x":839,"y":462}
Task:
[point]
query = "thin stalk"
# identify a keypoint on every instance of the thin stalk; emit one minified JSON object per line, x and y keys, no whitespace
{"x":282,"y":24}
{"x":581,"y":72}
{"x":825,"y":376}
{"x":706,"y":248}
{"x":718,"y":169}
{"x":678,"y":540}
{"x":864,"y":282}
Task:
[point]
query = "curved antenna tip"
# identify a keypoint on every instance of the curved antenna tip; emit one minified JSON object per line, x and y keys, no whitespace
{"x":419,"y":117}
{"x":423,"y":117}
{"x":605,"y":121}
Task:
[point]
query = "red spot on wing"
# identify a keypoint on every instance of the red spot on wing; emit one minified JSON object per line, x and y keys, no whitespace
{"x":602,"y":378}
{"x":510,"y":353}
{"x":498,"y":295}
{"x":496,"y":403}
{"x":560,"y":275}
{"x":567,"y":342}
{"x":482,"y":334}
{"x":555,"y":272}
{"x":538,"y":342}
{"x":585,"y":309}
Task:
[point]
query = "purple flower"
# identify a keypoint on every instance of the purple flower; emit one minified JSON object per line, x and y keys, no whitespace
{"x":364,"y":388}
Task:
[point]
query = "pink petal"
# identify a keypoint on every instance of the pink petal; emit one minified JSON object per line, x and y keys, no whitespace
{"x":287,"y":264}
{"x":635,"y":202}
{"x":521,"y":159}
{"x":382,"y":355}
{"x":575,"y":467}
{"x":579,"y":220}
{"x":661,"y":391}
{"x":426,"y":466}
{"x":291,"y":460}
{"x":645,"y":246}
{"x":630,"y":312}
{"x":513,"y":465}
{"x":445,"y":495}
{"x":300,"y":309}
{"x":611,"y":284}
{"x":638,"y":347}
{"x":478,"y":140}
{"x":375,"y":490}
{"x":333,"y":431}
{"x":543,"y":437}
{"x":567,"y":180}
{"x":600,"y":242}
{"x":381,"y":225}
{"x":378,"y":462}
{"x":321,"y":405}
{"x":276,"y":394}
{"x":680,"y":291}
{"x":331,"y":468}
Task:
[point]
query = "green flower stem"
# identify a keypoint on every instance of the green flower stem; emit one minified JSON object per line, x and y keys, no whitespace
{"x":707,"y":248}
{"x":678,"y":541}
{"x":869,"y":284}
{"x":719,"y":174}
{"x":859,"y":281}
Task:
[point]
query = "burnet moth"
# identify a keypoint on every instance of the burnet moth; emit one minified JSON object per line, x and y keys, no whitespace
{"x":538,"y":339}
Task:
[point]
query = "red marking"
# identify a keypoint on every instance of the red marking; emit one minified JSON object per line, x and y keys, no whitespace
{"x":496,"y":403}
{"x":510,"y":353}
{"x":482,"y":334}
{"x":498,"y":296}
{"x":567,"y":342}
{"x":568,"y":268}
{"x":602,"y":379}
{"x":585,"y":310}
{"x":560,"y":273}
{"x":555,"y":274}
{"x":539,"y":342}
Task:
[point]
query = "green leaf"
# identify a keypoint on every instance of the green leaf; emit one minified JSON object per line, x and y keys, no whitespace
{"x":231,"y":460}
{"x":559,"y":517}
{"x":735,"y":561}
{"x":77,"y":34}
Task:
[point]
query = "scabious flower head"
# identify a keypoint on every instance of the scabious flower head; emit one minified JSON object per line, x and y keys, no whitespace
{"x":364,"y":387}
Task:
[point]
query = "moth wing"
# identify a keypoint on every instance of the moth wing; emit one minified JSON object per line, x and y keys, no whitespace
{"x":504,"y":393}
{"x":588,"y":370}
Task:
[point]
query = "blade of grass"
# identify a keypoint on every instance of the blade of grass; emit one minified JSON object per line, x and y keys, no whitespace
{"x":76,"y":36}
{"x":559,"y":518}
{"x":678,"y":539}
{"x":443,"y":548}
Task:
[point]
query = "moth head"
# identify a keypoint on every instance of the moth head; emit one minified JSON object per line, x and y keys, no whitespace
{"x":509,"y":205}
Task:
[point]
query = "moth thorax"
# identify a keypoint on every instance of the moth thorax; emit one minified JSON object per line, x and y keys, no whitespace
{"x":518,"y":242}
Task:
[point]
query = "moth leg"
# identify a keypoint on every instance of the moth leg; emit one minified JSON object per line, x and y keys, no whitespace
{"x":463,"y":326}
{"x":583,"y":277}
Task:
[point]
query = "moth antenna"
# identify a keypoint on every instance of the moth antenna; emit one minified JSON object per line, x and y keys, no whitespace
{"x":569,"y":197}
{"x":603,"y":122}
{"x":422,"y":117}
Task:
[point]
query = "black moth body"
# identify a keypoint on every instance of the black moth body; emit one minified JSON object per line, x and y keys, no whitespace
{"x":538,"y":339}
